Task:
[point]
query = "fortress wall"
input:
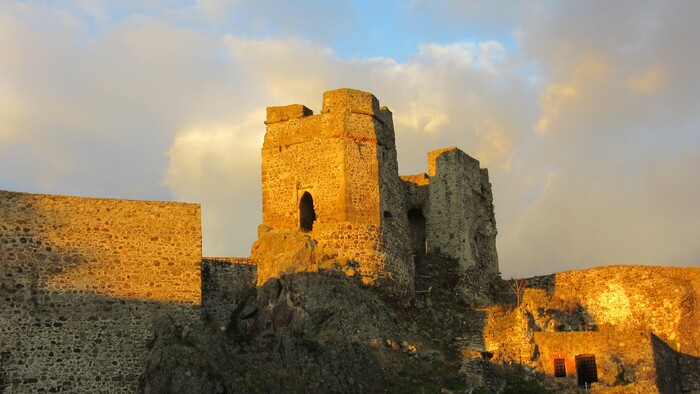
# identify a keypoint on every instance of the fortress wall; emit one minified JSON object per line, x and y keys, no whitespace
{"x":645,"y":318}
{"x":416,"y":190}
{"x":394,"y":219}
{"x":485,"y":238}
{"x":82,"y":280}
{"x":618,"y":358}
{"x":357,"y":242}
{"x":362,"y":197}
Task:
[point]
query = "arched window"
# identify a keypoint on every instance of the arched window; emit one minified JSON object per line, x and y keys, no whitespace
{"x":307,"y":215}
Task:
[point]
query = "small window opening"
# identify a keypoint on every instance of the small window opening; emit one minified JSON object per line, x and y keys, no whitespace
{"x":387,"y":215}
{"x":307,"y":214}
{"x":586,"y":369}
{"x":559,"y":368}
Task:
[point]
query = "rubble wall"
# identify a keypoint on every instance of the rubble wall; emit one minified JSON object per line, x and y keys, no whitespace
{"x":643,"y":326}
{"x":82,"y":280}
{"x":226,"y":284}
{"x":662,"y":300}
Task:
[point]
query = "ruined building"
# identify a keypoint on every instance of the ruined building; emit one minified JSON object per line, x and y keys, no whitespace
{"x":96,"y":293}
{"x":335,"y":175}
{"x":83,"y":278}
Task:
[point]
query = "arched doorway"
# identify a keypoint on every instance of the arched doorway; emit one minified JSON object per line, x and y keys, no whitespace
{"x":307,"y":215}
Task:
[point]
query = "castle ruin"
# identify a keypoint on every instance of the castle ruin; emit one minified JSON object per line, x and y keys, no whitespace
{"x":85,"y":281}
{"x":335,"y":176}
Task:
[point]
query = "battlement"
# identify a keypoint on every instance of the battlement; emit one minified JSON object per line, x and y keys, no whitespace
{"x":287,"y":112}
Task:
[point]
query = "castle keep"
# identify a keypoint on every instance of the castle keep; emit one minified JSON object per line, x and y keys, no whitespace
{"x":335,"y":176}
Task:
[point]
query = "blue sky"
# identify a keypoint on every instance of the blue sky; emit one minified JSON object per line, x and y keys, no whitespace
{"x":585,"y":113}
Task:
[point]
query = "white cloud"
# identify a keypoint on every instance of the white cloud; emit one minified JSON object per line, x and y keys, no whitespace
{"x":219,"y":167}
{"x":487,"y":55}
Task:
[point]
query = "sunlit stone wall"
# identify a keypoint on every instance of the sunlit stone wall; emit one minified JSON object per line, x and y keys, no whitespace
{"x":640,"y":322}
{"x":82,"y":280}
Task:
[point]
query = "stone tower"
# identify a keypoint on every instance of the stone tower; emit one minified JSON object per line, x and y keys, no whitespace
{"x":335,"y":176}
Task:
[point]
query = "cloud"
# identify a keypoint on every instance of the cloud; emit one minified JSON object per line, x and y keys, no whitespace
{"x":585,"y":113}
{"x":495,"y":147}
{"x":218,"y":166}
{"x":648,"y":83}
{"x":483,"y":55}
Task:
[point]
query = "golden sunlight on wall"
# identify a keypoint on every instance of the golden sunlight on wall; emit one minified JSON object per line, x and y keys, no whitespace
{"x":117,"y":248}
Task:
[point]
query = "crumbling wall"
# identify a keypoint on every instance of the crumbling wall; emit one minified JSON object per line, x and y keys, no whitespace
{"x":460,"y":222}
{"x":662,"y":300}
{"x":394,"y":221}
{"x":642,"y":324}
{"x":82,"y":280}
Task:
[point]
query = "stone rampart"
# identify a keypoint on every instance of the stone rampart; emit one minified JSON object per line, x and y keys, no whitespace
{"x":82,"y":280}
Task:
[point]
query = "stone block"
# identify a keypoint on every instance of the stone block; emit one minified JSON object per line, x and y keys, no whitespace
{"x":287,"y":112}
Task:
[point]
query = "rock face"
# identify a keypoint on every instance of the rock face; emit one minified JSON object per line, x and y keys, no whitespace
{"x":313,"y":325}
{"x":303,"y":332}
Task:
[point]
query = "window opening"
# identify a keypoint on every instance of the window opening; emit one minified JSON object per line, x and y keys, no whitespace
{"x":559,"y":368}
{"x":586,"y":369}
{"x":307,"y":214}
{"x":416,"y":226}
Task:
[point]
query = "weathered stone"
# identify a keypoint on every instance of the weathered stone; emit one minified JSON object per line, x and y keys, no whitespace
{"x":335,"y":175}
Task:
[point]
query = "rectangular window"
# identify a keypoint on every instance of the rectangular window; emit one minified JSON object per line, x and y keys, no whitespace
{"x":586,"y":369}
{"x":559,"y":368}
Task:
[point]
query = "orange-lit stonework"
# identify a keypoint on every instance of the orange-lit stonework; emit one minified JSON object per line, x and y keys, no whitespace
{"x":82,"y":281}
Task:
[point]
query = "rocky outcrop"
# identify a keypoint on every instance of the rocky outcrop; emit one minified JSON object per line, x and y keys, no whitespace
{"x":303,"y":332}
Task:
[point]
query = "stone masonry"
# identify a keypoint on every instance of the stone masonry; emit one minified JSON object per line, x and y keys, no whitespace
{"x":335,"y":175}
{"x":82,"y":280}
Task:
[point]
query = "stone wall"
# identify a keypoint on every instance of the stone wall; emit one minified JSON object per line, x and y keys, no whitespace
{"x":82,"y":280}
{"x":226,"y":284}
{"x":460,"y":219}
{"x":450,"y":213}
{"x":621,"y":358}
{"x":663,"y":300}
{"x":640,"y":322}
